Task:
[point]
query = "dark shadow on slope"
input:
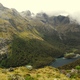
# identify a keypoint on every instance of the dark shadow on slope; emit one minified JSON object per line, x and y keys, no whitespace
{"x":35,"y":52}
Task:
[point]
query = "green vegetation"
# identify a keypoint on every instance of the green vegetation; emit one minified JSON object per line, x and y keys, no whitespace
{"x":28,"y":77}
{"x":22,"y":73}
{"x":77,"y":67}
{"x":30,"y":51}
{"x":36,"y":42}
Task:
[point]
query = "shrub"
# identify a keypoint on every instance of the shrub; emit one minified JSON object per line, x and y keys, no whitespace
{"x":77,"y":67}
{"x":28,"y":77}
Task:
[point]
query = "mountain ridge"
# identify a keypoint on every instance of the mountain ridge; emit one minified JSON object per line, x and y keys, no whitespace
{"x":40,"y":37}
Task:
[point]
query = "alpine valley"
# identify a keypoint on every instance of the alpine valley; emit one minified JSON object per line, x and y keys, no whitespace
{"x":29,"y":39}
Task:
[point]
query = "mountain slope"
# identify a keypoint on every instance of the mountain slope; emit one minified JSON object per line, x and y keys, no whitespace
{"x":35,"y":40}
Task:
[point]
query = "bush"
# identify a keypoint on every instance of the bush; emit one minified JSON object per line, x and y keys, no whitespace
{"x":77,"y":67}
{"x":28,"y":77}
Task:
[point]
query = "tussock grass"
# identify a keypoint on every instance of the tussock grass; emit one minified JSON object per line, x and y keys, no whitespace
{"x":47,"y":73}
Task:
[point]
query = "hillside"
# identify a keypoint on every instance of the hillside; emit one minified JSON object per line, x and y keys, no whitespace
{"x":22,"y":73}
{"x":35,"y":39}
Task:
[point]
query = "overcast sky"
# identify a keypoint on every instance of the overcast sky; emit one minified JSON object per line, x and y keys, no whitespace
{"x":70,"y":6}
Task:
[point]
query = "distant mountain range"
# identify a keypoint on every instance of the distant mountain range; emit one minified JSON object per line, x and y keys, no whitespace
{"x":41,"y":37}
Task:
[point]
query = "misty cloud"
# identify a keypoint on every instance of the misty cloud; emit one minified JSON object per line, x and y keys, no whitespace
{"x":76,"y":17}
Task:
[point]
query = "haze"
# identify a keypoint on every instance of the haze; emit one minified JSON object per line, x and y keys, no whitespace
{"x":65,"y":7}
{"x":69,"y":6}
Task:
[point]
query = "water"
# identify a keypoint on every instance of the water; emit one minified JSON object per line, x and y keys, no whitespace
{"x":63,"y":61}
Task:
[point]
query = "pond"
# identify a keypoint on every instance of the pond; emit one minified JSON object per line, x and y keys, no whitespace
{"x":62,"y":61}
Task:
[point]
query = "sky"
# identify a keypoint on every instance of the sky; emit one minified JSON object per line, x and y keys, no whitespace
{"x":35,"y":6}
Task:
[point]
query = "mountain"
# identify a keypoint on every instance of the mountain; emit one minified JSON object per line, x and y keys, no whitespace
{"x":26,"y":38}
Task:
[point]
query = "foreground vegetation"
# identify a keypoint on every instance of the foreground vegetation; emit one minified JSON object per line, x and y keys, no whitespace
{"x":46,"y":73}
{"x":22,"y":73}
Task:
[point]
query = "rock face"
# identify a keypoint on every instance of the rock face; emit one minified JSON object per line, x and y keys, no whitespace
{"x":15,"y":12}
{"x":1,"y":6}
{"x":12,"y":21}
{"x":3,"y":46}
{"x":60,"y":20}
{"x":26,"y":13}
{"x":55,"y":27}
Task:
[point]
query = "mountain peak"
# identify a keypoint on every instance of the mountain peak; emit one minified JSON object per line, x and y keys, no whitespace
{"x":1,"y":7}
{"x":15,"y":12}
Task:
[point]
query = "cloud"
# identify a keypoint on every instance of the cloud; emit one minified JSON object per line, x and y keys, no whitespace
{"x":43,"y":5}
{"x":65,"y":7}
{"x":75,"y":16}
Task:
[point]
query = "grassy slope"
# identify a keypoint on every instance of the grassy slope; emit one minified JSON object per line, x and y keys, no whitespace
{"x":30,"y":42}
{"x":47,"y":73}
{"x":34,"y":51}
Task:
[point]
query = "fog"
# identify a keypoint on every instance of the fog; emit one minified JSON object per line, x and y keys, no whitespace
{"x":51,"y":7}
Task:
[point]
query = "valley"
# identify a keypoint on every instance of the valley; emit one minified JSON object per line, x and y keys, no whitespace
{"x":37,"y":40}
